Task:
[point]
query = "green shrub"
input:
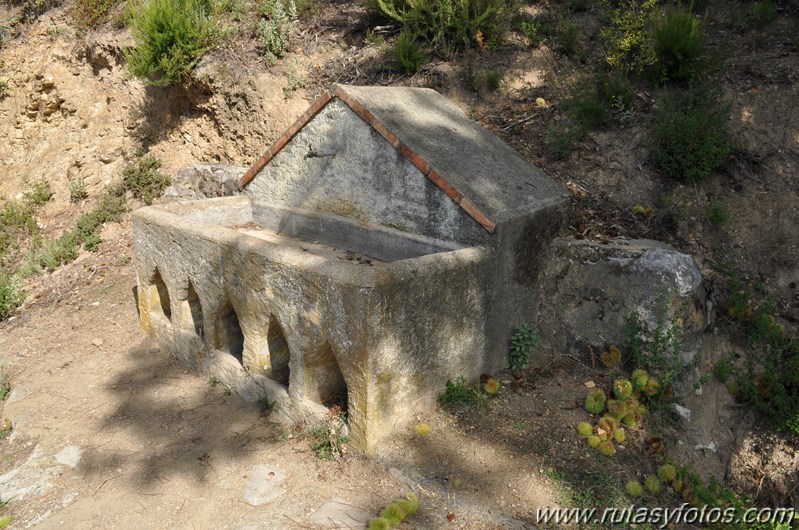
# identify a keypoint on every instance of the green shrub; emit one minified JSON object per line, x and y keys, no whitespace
{"x":3,"y":87}
{"x":629,"y":47}
{"x":718,"y":214}
{"x":763,"y":14}
{"x":459,"y":392}
{"x":171,"y":36}
{"x":144,"y":180}
{"x":691,"y":134}
{"x":39,"y":194}
{"x":92,"y":14}
{"x":32,"y":9}
{"x":522,"y":345}
{"x":450,"y":24}
{"x":532,"y":30}
{"x":562,"y":138}
{"x":11,"y":295}
{"x":275,"y":27}
{"x":567,"y":35}
{"x":77,"y":190}
{"x":408,"y":52}
{"x":679,"y":42}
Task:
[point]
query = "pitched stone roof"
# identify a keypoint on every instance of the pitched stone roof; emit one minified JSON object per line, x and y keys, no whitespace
{"x":480,"y":172}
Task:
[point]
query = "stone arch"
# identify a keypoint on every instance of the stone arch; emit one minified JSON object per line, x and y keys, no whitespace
{"x":192,"y":319}
{"x":228,"y":335}
{"x":324,"y":382}
{"x":278,"y":352}
{"x":159,"y":295}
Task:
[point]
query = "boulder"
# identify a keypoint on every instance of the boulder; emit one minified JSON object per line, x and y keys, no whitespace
{"x":202,"y":181}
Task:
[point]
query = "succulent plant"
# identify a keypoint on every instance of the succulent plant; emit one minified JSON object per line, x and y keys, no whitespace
{"x":595,"y":401}
{"x":634,"y":488}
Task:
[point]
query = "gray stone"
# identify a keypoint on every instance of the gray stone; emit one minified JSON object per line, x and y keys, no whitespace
{"x":589,"y":290}
{"x":337,"y":513}
{"x":203,"y":181}
{"x":31,"y":479}
{"x":69,"y":456}
{"x":265,"y":485}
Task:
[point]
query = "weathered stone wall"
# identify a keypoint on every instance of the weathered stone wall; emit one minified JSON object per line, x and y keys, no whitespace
{"x":338,"y":164}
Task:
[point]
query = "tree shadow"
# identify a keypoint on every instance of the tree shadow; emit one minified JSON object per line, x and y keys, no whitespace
{"x":174,"y":425}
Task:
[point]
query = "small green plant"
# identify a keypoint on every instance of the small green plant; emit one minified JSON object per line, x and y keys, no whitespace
{"x":718,"y":214}
{"x":375,"y":38}
{"x":629,"y":47}
{"x":213,"y":381}
{"x":3,"y":89}
{"x":396,"y":512}
{"x":408,"y":52}
{"x":446,"y":25}
{"x":532,"y":30}
{"x":294,"y":77}
{"x":723,"y":369}
{"x":265,"y":404}
{"x":691,"y":134}
{"x":459,"y":392}
{"x":567,"y":35}
{"x":144,"y":180}
{"x":328,"y":438}
{"x":562,"y":138}
{"x":679,"y":42}
{"x":275,"y":27}
{"x":657,"y":356}
{"x":91,"y":14}
{"x":39,"y":194}
{"x":77,"y":190}
{"x":763,"y":13}
{"x":11,"y":294}
{"x":171,"y":36}
{"x":493,"y":80}
{"x":5,"y":384}
{"x":522,"y":345}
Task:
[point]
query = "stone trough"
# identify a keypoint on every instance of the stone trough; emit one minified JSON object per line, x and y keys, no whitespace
{"x":383,"y":245}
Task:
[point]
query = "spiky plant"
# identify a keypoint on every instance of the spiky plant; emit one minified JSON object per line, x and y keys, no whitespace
{"x":652,"y":387}
{"x":667,"y":473}
{"x":634,"y":488}
{"x":595,"y":401}
{"x":622,"y":388}
{"x":639,"y":378}
{"x":584,"y":428}
{"x":619,"y":435}
{"x":594,"y":441}
{"x":652,"y":484}
{"x":607,"y":449}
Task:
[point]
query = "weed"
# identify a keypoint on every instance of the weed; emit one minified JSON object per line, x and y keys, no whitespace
{"x":723,"y":368}
{"x":265,"y":405}
{"x":408,"y":52}
{"x":763,"y":13}
{"x":658,"y":354}
{"x":306,"y":8}
{"x":32,"y":9}
{"x":171,"y":36}
{"x":718,"y":214}
{"x":567,"y":35}
{"x":374,"y":38}
{"x":691,"y":134}
{"x":493,"y":80}
{"x":522,"y":345}
{"x":446,"y":25}
{"x":562,"y":138}
{"x":39,"y":194}
{"x":459,"y":392}
{"x":90,"y":14}
{"x":329,"y":437}
{"x":294,"y":77}
{"x":627,"y":36}
{"x":5,"y":385}
{"x":144,"y":180}
{"x":588,"y":105}
{"x":3,"y":89}
{"x":11,"y":294}
{"x":77,"y":190}
{"x":213,"y":381}
{"x":679,"y":41}
{"x":532,"y":30}
{"x":519,"y":425}
{"x":275,"y":27}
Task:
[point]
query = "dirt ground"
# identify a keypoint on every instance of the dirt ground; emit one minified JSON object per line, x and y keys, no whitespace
{"x":161,"y":447}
